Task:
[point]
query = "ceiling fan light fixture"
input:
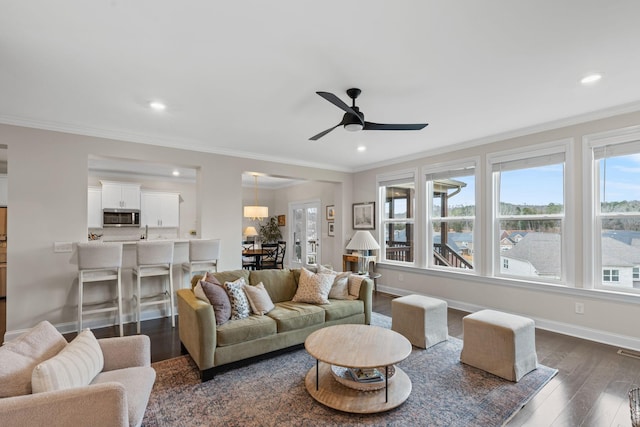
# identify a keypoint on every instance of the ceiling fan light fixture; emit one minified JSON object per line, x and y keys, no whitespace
{"x":353,"y":127}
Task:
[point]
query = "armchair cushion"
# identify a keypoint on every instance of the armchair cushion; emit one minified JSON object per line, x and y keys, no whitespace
{"x":20,"y":356}
{"x":75,"y":366}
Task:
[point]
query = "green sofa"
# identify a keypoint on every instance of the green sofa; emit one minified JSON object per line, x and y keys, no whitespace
{"x":287,"y":325}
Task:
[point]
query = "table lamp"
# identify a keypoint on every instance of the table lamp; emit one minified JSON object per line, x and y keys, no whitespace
{"x":363,"y":242}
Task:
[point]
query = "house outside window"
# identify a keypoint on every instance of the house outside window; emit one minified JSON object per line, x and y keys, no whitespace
{"x":529,"y":213}
{"x":616,"y":174}
{"x":451,"y":215}
{"x":397,"y":200}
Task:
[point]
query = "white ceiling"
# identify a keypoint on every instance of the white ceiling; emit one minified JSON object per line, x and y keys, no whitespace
{"x":240,"y":77}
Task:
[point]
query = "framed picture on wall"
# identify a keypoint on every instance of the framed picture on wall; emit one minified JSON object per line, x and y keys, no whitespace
{"x":282,"y":220}
{"x":331,"y":230}
{"x":364,"y":216}
{"x":331,"y":213}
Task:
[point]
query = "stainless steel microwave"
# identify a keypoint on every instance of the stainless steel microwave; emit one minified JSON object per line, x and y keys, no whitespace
{"x":121,"y":218}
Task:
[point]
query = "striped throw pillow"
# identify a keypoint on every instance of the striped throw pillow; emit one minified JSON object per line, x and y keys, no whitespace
{"x":75,"y":366}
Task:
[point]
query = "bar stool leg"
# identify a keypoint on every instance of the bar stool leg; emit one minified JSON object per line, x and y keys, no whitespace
{"x":80,"y":285}
{"x":138,"y":303}
{"x":120,"y":301}
{"x":173,"y":318}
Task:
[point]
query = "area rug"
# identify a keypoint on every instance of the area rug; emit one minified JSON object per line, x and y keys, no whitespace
{"x":271,"y":392}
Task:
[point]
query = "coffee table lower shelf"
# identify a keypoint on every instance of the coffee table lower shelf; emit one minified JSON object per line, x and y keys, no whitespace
{"x":337,"y":396}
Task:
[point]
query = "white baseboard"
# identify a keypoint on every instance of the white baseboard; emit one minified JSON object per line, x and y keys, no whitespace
{"x":69,"y":327}
{"x":590,"y":334}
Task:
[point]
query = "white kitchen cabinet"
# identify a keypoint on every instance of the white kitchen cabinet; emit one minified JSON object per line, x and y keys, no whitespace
{"x":94,"y":208}
{"x":159,"y":209}
{"x":119,"y":195}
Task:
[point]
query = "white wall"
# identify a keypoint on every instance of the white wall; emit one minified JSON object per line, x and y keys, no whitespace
{"x":48,"y":176}
{"x":607,"y":317}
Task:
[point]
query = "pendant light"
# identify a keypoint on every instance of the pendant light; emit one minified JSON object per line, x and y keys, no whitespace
{"x":255,"y":212}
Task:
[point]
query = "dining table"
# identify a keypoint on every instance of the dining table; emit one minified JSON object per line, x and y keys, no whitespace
{"x":257,"y":254}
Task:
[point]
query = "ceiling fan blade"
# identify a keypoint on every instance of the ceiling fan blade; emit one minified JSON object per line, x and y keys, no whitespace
{"x":339,"y":103}
{"x":382,"y":126}
{"x":324,"y":132}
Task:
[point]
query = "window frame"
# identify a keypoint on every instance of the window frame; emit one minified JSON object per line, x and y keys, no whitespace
{"x":523,"y":155}
{"x":626,"y":140}
{"x":383,"y":181}
{"x":451,"y":169}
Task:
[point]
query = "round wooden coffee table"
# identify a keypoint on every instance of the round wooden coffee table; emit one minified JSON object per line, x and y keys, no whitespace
{"x":357,"y":346}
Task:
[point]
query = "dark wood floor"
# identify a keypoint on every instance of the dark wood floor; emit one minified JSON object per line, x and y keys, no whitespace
{"x":589,"y":390}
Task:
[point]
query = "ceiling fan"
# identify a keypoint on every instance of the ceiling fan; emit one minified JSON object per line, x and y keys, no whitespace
{"x":353,"y":119}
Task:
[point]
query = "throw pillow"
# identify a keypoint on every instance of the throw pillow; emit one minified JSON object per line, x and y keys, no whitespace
{"x":239,"y":303}
{"x":75,"y":366}
{"x":217,"y":296}
{"x":314,"y":288}
{"x":355,"y":281}
{"x":259,"y":299}
{"x":340,"y":287}
{"x":22,"y":354}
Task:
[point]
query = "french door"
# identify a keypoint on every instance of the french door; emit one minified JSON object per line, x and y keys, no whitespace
{"x":305,"y":233}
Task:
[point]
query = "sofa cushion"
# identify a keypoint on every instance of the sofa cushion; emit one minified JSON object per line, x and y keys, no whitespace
{"x":340,"y":287}
{"x":314,"y":288}
{"x":75,"y":366}
{"x":19,"y":356}
{"x":247,"y":329}
{"x":280,"y":284}
{"x":216,"y":295}
{"x":291,"y":316}
{"x":239,"y":303}
{"x":137,"y":382}
{"x":340,"y":309}
{"x":259,"y":299}
{"x":227,"y":276}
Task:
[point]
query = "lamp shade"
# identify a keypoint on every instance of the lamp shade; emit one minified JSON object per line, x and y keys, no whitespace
{"x":256,"y":211}
{"x":363,"y":241}
{"x":250,"y":231}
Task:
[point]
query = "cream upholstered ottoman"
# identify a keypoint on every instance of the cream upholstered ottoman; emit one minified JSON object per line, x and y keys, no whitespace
{"x":500,"y":343}
{"x":422,"y":320}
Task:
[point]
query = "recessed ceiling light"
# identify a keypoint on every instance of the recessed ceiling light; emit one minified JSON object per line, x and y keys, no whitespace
{"x":157,"y":106}
{"x":591,"y":78}
{"x":362,"y":148}
{"x":176,"y":173}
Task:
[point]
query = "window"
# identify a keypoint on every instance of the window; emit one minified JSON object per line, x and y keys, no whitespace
{"x":611,"y":275}
{"x":451,"y":213}
{"x":617,"y":206}
{"x":397,"y":198}
{"x":529,"y":214}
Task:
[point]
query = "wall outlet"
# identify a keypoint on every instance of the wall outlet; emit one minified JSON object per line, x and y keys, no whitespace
{"x":579,"y":308}
{"x":62,"y":247}
{"x":400,"y":277}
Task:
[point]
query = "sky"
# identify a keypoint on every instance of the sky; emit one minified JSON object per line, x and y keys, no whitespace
{"x":543,"y":185}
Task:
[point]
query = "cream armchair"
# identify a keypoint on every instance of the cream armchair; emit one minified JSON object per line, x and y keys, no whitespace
{"x":117,"y":396}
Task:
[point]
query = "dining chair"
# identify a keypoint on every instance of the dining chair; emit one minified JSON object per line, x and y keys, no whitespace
{"x":282,"y":249}
{"x":269,"y":256}
{"x":248,"y":262}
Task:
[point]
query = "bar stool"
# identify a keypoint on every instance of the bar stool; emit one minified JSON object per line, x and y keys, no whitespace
{"x":203,"y":256}
{"x":98,"y":262}
{"x":154,"y":259}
